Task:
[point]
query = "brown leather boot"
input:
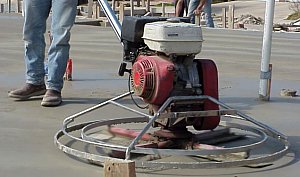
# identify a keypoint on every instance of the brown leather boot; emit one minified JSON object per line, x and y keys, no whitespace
{"x":29,"y":90}
{"x":51,"y":98}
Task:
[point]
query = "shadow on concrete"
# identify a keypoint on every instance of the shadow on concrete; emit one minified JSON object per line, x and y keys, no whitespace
{"x":242,"y":103}
{"x":294,"y":149}
{"x":246,"y":103}
{"x":73,"y":100}
{"x":125,"y":101}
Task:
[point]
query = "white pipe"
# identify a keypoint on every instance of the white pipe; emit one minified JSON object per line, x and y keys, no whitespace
{"x":265,"y":76}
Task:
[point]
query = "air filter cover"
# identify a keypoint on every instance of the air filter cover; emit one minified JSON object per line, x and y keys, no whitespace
{"x":173,"y":38}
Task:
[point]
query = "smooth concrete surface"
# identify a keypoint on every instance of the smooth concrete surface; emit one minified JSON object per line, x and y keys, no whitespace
{"x":27,"y":129}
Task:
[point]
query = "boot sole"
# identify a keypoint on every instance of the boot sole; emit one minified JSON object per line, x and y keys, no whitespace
{"x":25,"y":97}
{"x":51,"y":103}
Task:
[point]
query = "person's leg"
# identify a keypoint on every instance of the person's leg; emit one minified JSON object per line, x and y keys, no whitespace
{"x":35,"y":15}
{"x":179,"y":9}
{"x":208,"y":18}
{"x":192,"y":5}
{"x":63,"y":17}
{"x":186,"y":7}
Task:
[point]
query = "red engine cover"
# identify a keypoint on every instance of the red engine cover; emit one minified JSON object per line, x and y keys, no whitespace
{"x":152,"y":78}
{"x":209,"y":77}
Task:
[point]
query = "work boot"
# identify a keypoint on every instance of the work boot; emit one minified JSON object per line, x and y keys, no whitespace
{"x":29,"y":90}
{"x":51,"y":98}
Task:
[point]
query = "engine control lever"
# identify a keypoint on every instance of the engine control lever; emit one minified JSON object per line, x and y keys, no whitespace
{"x":123,"y":69}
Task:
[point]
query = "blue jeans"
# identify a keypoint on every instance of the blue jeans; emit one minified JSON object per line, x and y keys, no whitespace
{"x":207,"y":10}
{"x":36,"y":13}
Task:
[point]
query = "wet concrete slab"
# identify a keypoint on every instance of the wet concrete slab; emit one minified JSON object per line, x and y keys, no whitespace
{"x":27,"y":129}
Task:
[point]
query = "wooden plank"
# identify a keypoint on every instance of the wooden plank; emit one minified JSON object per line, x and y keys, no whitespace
{"x":131,"y":8}
{"x":224,"y":17}
{"x":90,"y":9}
{"x":163,"y":9}
{"x":148,"y":6}
{"x":231,"y":17}
{"x":118,"y":168}
{"x":211,"y":134}
{"x":121,"y":12}
{"x":220,"y":157}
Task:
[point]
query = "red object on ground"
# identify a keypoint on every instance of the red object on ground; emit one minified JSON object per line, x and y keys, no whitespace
{"x":69,"y":70}
{"x":129,"y":133}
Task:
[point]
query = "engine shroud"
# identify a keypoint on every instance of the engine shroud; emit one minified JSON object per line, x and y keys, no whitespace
{"x":152,"y":78}
{"x":156,"y":78}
